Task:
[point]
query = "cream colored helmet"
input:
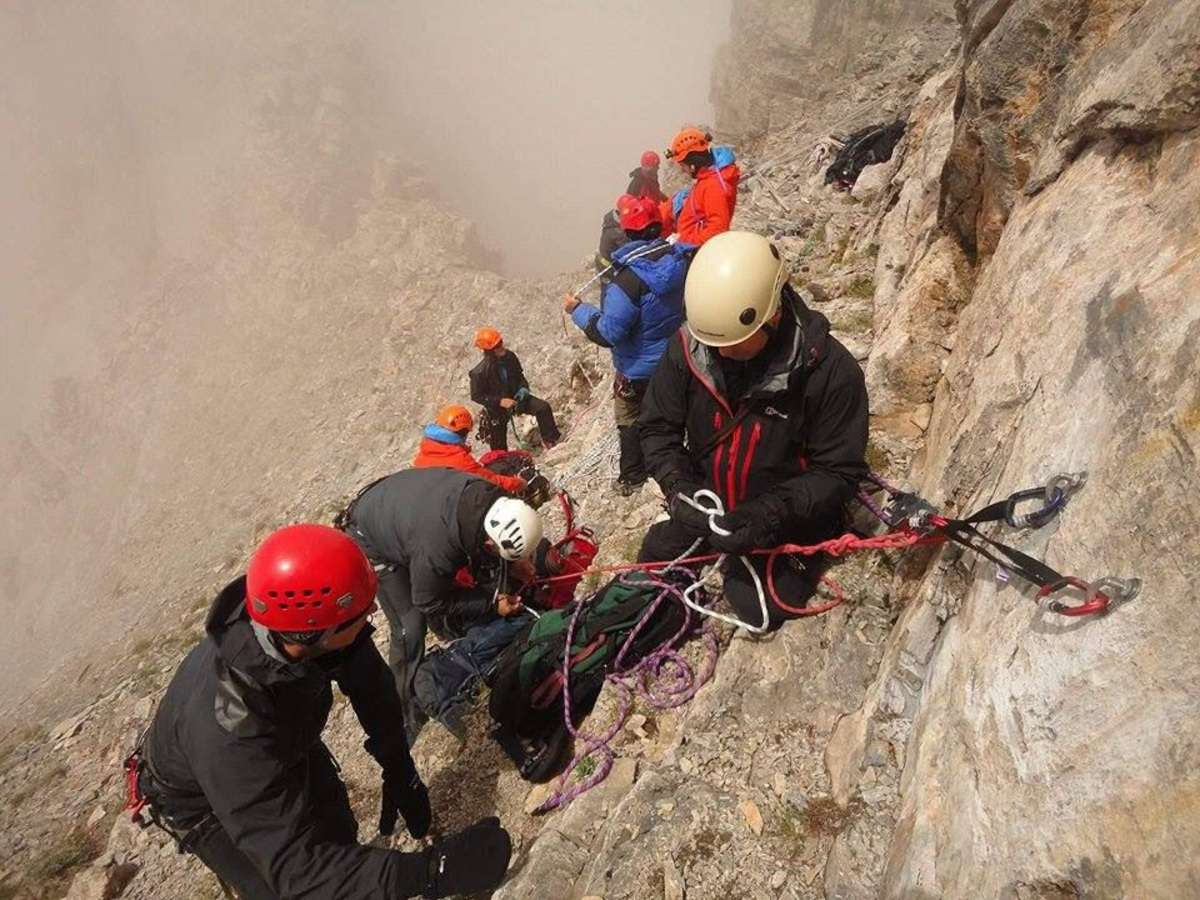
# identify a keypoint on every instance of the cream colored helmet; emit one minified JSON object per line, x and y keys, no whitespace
{"x":733,"y":287}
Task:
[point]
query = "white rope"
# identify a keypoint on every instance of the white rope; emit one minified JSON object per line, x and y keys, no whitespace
{"x":656,"y":244}
{"x":717,"y":508}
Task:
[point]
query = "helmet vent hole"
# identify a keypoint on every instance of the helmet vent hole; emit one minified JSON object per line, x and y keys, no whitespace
{"x":300,"y":604}
{"x":308,"y":592}
{"x":272,"y":594}
{"x":289,"y":594}
{"x":326,"y":590}
{"x":316,"y":604}
{"x":283,"y":606}
{"x":748,"y":316}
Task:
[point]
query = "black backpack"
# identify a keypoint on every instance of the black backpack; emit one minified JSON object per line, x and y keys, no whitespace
{"x":527,"y":683}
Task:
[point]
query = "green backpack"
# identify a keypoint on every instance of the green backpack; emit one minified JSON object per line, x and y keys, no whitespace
{"x":527,"y":684}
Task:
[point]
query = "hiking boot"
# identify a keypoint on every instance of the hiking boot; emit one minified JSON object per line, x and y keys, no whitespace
{"x":629,"y":488}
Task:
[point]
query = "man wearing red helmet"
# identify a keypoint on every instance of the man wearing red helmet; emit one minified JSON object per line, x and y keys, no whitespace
{"x":233,"y":765}
{"x":643,"y":181}
{"x":640,"y":308}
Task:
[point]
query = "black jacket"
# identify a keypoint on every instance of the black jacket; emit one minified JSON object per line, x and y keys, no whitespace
{"x":803,"y":438}
{"x":497,"y":377}
{"x":429,"y":522}
{"x":641,"y":185}
{"x":612,"y":237}
{"x":232,"y":736}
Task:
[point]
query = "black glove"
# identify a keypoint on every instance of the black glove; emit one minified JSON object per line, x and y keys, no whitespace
{"x":473,"y":860}
{"x":753,"y":525}
{"x":404,"y":794}
{"x":684,"y":513}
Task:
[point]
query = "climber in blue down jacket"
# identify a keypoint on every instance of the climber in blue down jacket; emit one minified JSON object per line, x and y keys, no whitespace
{"x":641,"y":307}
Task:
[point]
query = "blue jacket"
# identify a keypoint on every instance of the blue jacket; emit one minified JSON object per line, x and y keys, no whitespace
{"x":640,"y":308}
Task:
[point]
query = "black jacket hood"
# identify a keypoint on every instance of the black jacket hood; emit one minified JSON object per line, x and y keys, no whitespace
{"x":239,"y":647}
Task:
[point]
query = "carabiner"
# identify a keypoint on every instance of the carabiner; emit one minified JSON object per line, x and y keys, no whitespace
{"x":1053,"y":503}
{"x":1101,"y":597}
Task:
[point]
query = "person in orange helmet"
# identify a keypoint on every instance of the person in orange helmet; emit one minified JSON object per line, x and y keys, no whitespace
{"x":706,"y":208}
{"x":498,"y":384}
{"x":444,"y":445}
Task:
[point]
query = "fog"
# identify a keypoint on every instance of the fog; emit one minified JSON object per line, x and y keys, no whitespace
{"x":155,"y":151}
{"x":531,"y":114}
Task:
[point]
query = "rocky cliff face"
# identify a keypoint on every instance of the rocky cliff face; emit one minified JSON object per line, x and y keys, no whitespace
{"x":1032,"y":311}
{"x":1019,"y":283}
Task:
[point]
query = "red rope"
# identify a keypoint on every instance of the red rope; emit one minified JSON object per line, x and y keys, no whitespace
{"x":839,"y":546}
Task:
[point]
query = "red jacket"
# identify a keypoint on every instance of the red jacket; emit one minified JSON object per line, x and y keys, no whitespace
{"x":436,"y":454}
{"x":708,"y":210}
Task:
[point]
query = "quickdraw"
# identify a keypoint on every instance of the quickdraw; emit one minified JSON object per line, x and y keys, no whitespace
{"x":916,"y":514}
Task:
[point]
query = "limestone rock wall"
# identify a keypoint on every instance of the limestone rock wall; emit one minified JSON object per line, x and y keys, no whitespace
{"x":1047,"y":757}
{"x":824,"y":59}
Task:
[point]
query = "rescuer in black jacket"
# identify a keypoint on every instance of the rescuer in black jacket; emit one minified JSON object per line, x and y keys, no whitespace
{"x":756,"y":402}
{"x":233,"y":765}
{"x":498,"y":384}
{"x":421,"y":527}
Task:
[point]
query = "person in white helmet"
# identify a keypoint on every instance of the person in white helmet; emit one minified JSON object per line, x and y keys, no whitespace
{"x":419,"y":528}
{"x":757,"y":403}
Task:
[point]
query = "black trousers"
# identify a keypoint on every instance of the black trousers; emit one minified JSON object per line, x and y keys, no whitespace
{"x":531,"y":406}
{"x":796,"y":579}
{"x":627,"y":405}
{"x":330,"y":810}
{"x":406,"y":641}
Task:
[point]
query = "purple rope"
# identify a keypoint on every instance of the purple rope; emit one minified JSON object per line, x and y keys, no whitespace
{"x":869,"y":502}
{"x":663,"y":678}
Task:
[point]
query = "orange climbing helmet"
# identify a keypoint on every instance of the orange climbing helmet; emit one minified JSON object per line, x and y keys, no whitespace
{"x":689,"y":140}
{"x":456,"y":418}
{"x":487,"y":338}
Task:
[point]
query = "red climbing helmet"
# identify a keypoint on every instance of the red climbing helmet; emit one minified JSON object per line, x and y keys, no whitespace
{"x":649,"y":160}
{"x":308,"y":578}
{"x":637,"y":212}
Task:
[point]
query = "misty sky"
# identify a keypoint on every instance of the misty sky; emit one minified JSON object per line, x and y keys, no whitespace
{"x":530,"y":114}
{"x":155,"y":149}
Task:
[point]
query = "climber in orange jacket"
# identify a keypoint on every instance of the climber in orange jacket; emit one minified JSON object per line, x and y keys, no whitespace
{"x":444,"y":445}
{"x":706,"y":208}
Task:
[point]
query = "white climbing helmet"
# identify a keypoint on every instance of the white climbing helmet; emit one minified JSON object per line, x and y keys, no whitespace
{"x":733,"y":287}
{"x":514,"y":527}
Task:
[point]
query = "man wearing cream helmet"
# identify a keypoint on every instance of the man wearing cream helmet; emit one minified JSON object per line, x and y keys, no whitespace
{"x":756,"y":402}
